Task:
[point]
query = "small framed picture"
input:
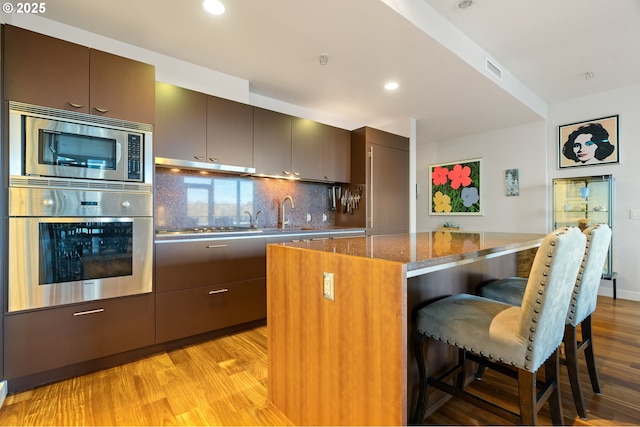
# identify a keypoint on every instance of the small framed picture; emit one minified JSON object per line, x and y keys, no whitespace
{"x":456,"y":188}
{"x":587,"y":143}
{"x":512,"y":182}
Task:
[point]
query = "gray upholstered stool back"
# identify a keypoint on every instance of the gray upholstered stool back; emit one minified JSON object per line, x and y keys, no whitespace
{"x":548,"y":293}
{"x":585,"y":294}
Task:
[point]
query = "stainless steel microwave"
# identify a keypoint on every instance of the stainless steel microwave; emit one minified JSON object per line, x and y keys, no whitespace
{"x":47,"y":142}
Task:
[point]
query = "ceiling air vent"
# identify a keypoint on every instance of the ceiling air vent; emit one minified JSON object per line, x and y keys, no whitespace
{"x":494,"y":69}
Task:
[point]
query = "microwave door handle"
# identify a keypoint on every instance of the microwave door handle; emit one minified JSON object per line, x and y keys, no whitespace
{"x":52,"y":139}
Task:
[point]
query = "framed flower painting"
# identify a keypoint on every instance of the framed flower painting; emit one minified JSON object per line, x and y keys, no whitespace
{"x":456,"y":188}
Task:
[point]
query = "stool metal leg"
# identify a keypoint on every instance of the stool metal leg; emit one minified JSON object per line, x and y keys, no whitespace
{"x":527,"y":397}
{"x":480,"y":371}
{"x":571,"y":355}
{"x":587,"y":341}
{"x":552,"y":368}
{"x":421,"y":403}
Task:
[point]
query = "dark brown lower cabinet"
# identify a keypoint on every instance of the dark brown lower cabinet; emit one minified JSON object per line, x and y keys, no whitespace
{"x":207,"y":262}
{"x":42,"y":340}
{"x":190,"y":312}
{"x":208,"y":284}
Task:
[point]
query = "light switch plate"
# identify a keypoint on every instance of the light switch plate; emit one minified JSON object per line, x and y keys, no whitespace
{"x":328,"y":290}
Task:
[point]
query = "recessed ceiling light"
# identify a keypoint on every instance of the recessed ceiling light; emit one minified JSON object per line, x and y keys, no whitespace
{"x":214,"y":7}
{"x":391,"y":86}
{"x":463,"y":4}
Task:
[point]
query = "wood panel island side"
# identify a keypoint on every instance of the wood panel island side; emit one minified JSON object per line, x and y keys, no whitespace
{"x":347,"y":360}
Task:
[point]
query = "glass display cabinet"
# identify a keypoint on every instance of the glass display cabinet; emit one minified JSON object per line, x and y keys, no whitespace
{"x":584,"y":201}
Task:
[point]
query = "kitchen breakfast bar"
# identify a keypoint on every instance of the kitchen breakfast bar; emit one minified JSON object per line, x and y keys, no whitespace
{"x":340,"y":317}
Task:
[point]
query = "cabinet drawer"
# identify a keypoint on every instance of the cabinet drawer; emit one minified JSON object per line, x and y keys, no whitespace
{"x":189,"y":312}
{"x":207,"y":262}
{"x":48,"y":339}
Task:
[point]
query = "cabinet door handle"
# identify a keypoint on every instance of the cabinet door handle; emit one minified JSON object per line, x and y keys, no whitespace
{"x":101,"y":110}
{"x":213,"y":159}
{"x":218,"y":291}
{"x":216,"y":246}
{"x":84,"y":313}
{"x":286,"y":172}
{"x":198,"y":157}
{"x":74,"y":105}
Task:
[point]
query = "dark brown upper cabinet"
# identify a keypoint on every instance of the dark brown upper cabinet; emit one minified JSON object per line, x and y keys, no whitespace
{"x":43,"y":70}
{"x":197,"y":127}
{"x":229,"y":132}
{"x":121,"y":87}
{"x":307,"y":149}
{"x":300,"y":148}
{"x":181,"y":123}
{"x":47,"y":71}
{"x":336,"y":165}
{"x":272,"y":143}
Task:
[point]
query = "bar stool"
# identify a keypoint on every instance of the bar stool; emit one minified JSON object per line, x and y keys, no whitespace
{"x":513,"y":340}
{"x":583,"y":304}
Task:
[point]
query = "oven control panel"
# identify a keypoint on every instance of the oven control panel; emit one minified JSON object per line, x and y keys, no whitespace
{"x":46,"y":202}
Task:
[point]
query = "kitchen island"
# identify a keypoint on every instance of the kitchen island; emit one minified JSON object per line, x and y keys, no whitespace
{"x":340,"y":315}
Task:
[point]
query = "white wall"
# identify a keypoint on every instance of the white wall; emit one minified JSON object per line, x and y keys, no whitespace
{"x":520,"y":147}
{"x":626,"y":231}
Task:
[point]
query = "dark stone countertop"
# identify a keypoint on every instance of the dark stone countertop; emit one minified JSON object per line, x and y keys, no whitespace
{"x":427,"y":251}
{"x":259,"y":232}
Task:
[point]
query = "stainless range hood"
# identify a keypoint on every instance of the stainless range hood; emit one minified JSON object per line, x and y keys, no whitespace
{"x":214,"y":167}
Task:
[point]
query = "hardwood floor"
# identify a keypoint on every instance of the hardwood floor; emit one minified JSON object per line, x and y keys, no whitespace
{"x":218,"y":382}
{"x":223,"y":382}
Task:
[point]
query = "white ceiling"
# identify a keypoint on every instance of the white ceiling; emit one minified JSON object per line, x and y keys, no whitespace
{"x":547,"y":45}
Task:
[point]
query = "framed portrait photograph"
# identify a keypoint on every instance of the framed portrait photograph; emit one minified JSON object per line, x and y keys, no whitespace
{"x":587,"y":143}
{"x":456,"y":188}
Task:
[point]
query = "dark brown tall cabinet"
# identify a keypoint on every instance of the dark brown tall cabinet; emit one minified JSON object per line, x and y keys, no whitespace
{"x":50,"y":72}
{"x":380,"y":174}
{"x":43,"y":345}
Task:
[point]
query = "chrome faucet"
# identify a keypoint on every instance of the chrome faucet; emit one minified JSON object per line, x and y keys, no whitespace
{"x":252,"y":223}
{"x":284,"y":220}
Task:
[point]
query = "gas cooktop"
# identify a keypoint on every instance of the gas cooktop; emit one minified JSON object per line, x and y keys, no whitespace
{"x":209,"y":230}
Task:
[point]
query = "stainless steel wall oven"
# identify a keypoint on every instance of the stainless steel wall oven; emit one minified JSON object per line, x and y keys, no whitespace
{"x":68,"y":246}
{"x":80,"y":208}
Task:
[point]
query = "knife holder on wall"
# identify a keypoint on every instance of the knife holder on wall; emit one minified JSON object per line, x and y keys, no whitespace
{"x":350,"y":199}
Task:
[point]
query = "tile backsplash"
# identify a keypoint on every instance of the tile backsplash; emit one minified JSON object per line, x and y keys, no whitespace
{"x":185,"y":199}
